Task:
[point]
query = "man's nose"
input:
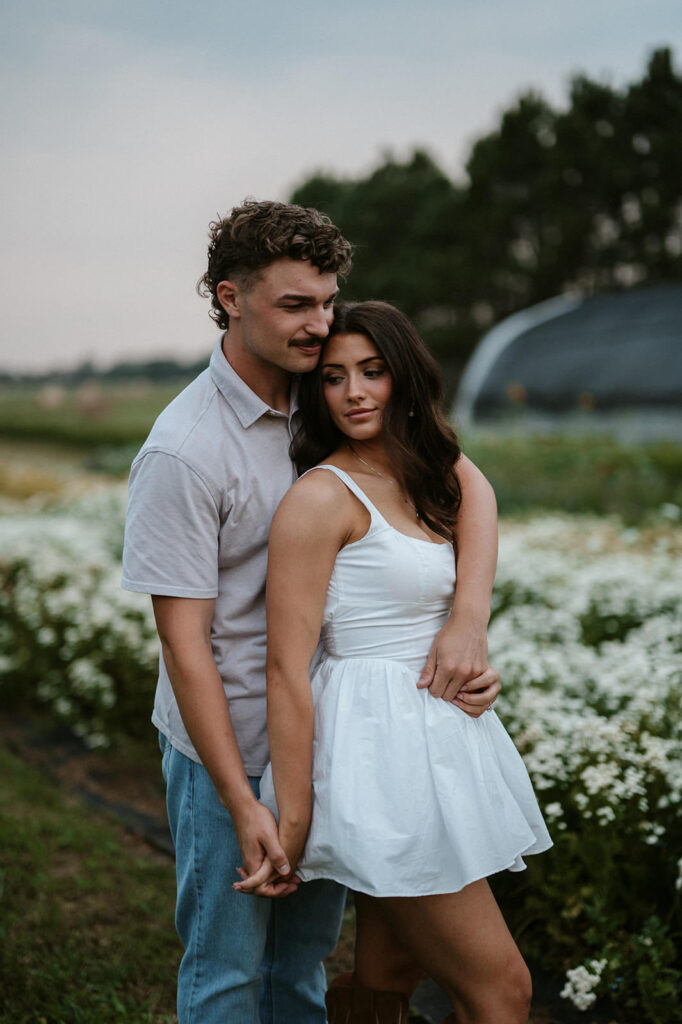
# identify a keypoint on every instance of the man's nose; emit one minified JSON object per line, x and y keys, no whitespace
{"x":319,"y":321}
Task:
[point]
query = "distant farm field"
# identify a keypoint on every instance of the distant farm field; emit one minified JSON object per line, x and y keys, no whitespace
{"x":51,"y":433}
{"x":91,"y":415}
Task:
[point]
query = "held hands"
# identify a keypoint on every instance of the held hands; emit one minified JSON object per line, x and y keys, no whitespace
{"x":269,"y":880}
{"x":267,"y":870}
{"x":457,"y":669}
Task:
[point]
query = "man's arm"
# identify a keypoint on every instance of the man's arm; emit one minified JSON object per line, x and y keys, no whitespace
{"x":184,"y":629}
{"x":171,"y":552}
{"x":457,"y":667}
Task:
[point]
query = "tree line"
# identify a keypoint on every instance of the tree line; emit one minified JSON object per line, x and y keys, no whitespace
{"x":584,"y":198}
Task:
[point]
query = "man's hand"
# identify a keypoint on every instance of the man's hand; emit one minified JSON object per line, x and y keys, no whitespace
{"x":256,"y":831}
{"x":457,"y":668}
{"x":267,"y":880}
{"x":478,"y":695}
{"x":459,"y":653}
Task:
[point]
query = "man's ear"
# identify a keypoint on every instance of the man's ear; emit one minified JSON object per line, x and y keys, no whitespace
{"x":228,"y":294}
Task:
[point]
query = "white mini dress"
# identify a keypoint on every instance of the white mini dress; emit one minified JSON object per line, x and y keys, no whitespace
{"x":411,"y":796}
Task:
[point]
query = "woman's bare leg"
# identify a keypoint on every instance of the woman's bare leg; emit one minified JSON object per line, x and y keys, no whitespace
{"x":460,"y":940}
{"x":381,"y":961}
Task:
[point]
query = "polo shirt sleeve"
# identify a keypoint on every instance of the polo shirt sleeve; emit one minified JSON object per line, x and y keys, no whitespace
{"x":172,"y":530}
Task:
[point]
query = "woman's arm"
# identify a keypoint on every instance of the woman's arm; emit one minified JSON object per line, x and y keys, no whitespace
{"x":312,"y":523}
{"x":458,"y":660}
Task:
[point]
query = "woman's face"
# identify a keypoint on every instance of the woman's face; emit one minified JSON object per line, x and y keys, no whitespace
{"x":357,"y":385}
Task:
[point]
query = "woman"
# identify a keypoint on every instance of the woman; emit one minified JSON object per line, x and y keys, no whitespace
{"x":412,"y":801}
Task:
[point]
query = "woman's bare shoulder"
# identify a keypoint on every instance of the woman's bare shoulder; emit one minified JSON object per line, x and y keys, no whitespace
{"x":317,"y":497}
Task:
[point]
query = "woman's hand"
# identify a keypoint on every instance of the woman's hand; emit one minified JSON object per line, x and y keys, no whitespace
{"x":267,"y":881}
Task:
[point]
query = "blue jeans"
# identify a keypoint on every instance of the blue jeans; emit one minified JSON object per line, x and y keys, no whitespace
{"x":247,"y":960}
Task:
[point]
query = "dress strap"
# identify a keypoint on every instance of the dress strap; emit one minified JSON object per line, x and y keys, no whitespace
{"x":350,"y":483}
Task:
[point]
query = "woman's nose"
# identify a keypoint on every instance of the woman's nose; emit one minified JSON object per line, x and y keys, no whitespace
{"x":356,"y":385}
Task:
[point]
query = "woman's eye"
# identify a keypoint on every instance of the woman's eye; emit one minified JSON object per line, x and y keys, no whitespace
{"x":332,"y":380}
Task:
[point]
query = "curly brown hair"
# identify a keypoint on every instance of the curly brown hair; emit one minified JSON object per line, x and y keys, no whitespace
{"x":420,"y":442}
{"x":255,"y":234}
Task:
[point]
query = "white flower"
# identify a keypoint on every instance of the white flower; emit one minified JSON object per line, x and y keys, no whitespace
{"x":553,"y":812}
{"x":670,"y":511}
{"x":581,"y":983}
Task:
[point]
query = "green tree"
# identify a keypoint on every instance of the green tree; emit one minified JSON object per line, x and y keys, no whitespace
{"x":403,"y":221}
{"x":583,"y":198}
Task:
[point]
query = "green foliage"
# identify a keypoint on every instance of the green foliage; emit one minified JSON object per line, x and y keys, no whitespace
{"x":580,"y":474}
{"x":587,"y":197}
{"x":91,"y":416}
{"x":401,"y":219}
{"x":586,"y":633}
{"x":87,"y":923}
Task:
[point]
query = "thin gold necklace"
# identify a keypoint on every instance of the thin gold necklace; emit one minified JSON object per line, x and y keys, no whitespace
{"x":408,"y":501}
{"x":370,"y":468}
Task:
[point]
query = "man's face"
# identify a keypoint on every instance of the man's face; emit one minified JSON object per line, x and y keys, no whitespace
{"x":282,"y":317}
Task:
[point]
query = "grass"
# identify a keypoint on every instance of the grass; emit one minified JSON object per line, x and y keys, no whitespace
{"x":86,"y":915}
{"x":88,"y":417}
{"x":579,"y":474}
{"x":86,"y":910}
{"x":105,"y":427}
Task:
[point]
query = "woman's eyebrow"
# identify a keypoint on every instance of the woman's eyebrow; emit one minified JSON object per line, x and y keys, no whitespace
{"x":360,"y":362}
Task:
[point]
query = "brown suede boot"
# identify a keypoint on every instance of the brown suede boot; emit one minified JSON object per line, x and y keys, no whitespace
{"x":350,"y":1003}
{"x":339,"y":999}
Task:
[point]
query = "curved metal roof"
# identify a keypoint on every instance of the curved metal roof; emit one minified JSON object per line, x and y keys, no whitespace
{"x":615,"y":351}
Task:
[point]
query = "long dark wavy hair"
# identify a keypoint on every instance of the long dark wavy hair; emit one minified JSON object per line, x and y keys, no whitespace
{"x":420,"y":442}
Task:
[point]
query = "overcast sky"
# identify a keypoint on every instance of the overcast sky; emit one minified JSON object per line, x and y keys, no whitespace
{"x":127,"y":125}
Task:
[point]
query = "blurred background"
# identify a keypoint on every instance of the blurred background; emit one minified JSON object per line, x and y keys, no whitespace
{"x":511,"y":177}
{"x":483,"y":158}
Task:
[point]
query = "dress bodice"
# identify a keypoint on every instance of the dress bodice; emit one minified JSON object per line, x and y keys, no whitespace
{"x":388,"y":593}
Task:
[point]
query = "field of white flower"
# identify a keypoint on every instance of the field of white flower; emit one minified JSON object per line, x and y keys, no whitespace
{"x":70,"y":637}
{"x":587,"y":634}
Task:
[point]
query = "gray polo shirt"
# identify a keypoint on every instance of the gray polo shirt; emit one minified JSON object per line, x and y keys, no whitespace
{"x":203,"y":491}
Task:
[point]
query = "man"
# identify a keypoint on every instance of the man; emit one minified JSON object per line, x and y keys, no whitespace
{"x":203,"y":490}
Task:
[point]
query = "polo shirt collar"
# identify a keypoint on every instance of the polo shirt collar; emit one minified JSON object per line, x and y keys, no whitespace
{"x":245,"y":402}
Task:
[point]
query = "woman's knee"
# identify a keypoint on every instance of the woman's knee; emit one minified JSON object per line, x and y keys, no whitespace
{"x":514,"y":995}
{"x":504,"y":999}
{"x":394,"y":971}
{"x":520,"y":990}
